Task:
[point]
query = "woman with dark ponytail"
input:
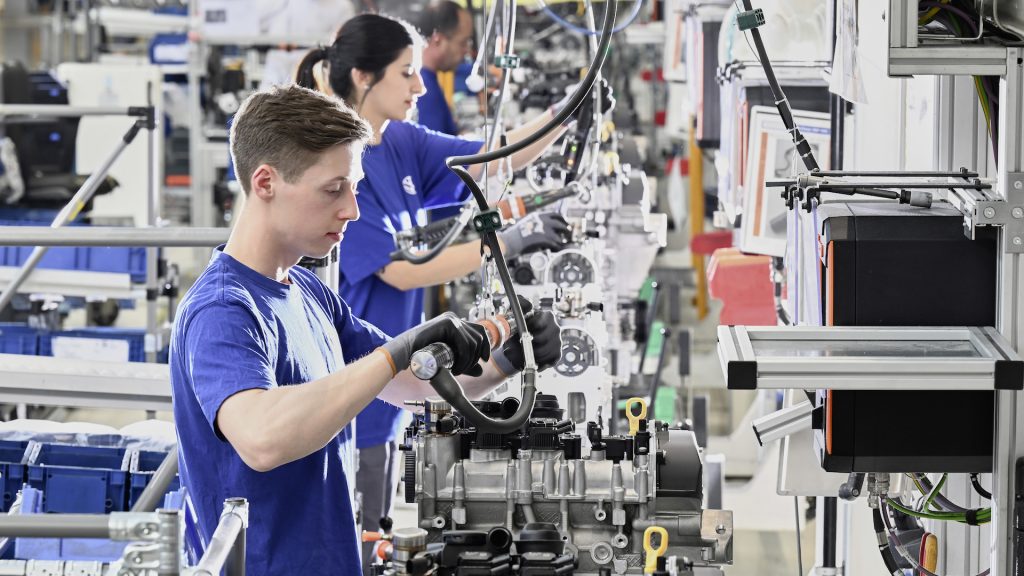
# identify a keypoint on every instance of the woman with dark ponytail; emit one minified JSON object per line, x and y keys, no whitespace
{"x":374,"y":66}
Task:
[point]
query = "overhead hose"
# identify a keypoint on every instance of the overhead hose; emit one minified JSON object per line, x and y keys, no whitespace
{"x":446,"y":384}
{"x":581,"y":92}
{"x":425,"y":256}
{"x":802,"y":146}
{"x":579,"y":30}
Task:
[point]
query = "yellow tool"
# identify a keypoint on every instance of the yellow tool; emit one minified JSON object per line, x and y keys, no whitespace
{"x":651,"y":565}
{"x":929,"y":557}
{"x":634,"y":419}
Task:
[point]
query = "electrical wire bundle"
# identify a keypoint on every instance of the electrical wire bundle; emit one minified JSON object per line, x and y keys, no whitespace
{"x":957,"y":18}
{"x":932,"y":505}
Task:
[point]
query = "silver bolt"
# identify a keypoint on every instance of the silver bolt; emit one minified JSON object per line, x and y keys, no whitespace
{"x":1018,"y":213}
{"x":1017,"y":184}
{"x":990,"y":212}
{"x":720,"y":528}
{"x":1017,"y":241}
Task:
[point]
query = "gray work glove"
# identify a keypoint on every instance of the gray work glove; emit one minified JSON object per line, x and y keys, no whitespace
{"x":534,"y":232}
{"x":468,"y":342}
{"x":547,"y":343}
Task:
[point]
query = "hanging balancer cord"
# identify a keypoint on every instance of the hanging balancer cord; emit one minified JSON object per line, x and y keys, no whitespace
{"x":443,"y":382}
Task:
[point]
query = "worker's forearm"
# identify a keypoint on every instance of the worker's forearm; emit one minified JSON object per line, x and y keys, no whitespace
{"x":533,"y":151}
{"x":295,"y":421}
{"x":526,"y":155}
{"x":454,"y":262}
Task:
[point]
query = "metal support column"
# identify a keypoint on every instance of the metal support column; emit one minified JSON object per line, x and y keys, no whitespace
{"x":153,"y":341}
{"x":1008,"y":442}
{"x":68,"y":213}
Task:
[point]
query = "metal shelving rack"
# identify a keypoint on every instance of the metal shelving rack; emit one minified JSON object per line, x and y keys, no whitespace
{"x":57,"y":381}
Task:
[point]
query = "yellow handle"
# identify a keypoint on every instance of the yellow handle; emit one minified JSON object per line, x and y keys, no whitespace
{"x":930,"y":552}
{"x":634,"y":419}
{"x":654,"y":553}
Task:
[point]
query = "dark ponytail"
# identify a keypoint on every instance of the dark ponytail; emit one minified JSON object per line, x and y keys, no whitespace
{"x":304,"y":74}
{"x":368,"y":42}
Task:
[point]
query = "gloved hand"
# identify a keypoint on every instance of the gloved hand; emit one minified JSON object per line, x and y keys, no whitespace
{"x":607,"y":100}
{"x":468,"y":342}
{"x":547,"y":343}
{"x":534,"y":232}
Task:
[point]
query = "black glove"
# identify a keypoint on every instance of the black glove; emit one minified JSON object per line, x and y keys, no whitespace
{"x":468,"y":342}
{"x":547,"y":343}
{"x":534,"y":232}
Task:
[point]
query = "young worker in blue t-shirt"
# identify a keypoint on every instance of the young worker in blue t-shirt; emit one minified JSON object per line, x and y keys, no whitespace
{"x":373,"y":65}
{"x":269,"y":366}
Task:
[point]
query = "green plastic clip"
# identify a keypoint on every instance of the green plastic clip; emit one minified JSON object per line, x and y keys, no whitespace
{"x":509,"y":61}
{"x":489,"y":221}
{"x":750,"y":19}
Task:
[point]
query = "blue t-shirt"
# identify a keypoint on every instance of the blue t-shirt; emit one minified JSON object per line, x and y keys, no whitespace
{"x":405,"y":176}
{"x":239,"y":330}
{"x":434,"y":112}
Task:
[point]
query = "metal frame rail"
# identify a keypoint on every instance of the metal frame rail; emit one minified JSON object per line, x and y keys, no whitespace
{"x":155,"y":538}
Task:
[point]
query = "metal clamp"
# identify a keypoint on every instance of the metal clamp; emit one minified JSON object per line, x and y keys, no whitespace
{"x":140,"y":558}
{"x":983,"y":209}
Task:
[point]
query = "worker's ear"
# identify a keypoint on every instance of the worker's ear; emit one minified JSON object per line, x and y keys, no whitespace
{"x":361,"y":80}
{"x":436,"y":38}
{"x":261,"y":185}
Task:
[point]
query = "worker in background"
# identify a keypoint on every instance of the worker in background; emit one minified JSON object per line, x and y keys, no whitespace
{"x":374,"y":66}
{"x":269,"y":366}
{"x":448,"y":32}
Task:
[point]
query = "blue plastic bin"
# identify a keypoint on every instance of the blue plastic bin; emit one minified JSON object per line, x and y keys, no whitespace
{"x":84,"y":549}
{"x":142,"y":469}
{"x":12,"y":468}
{"x":118,"y":259}
{"x":136,"y":339}
{"x":81,"y":479}
{"x":18,"y":339}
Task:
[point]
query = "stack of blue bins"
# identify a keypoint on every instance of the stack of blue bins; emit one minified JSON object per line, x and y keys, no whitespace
{"x":85,"y":480}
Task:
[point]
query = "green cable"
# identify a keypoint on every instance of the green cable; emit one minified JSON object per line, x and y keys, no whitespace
{"x":935,"y":491}
{"x":983,"y":516}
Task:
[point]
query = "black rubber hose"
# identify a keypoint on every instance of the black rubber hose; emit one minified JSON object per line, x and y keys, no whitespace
{"x":978,"y":487}
{"x":428,"y":255}
{"x":802,"y":146}
{"x":582,"y":91}
{"x":449,"y":388}
{"x":883,"y":544}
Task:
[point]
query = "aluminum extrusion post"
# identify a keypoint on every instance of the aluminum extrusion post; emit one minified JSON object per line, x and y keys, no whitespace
{"x":1008,"y":446}
{"x":68,"y":213}
{"x":153,"y":341}
{"x":154,"y":492}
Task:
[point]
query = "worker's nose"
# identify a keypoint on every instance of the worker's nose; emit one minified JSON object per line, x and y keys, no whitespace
{"x":418,"y":88}
{"x":349,"y":210}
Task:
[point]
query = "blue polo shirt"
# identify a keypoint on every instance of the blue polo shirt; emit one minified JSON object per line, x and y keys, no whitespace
{"x":405,"y":176}
{"x":239,"y":330}
{"x":433,"y":109}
